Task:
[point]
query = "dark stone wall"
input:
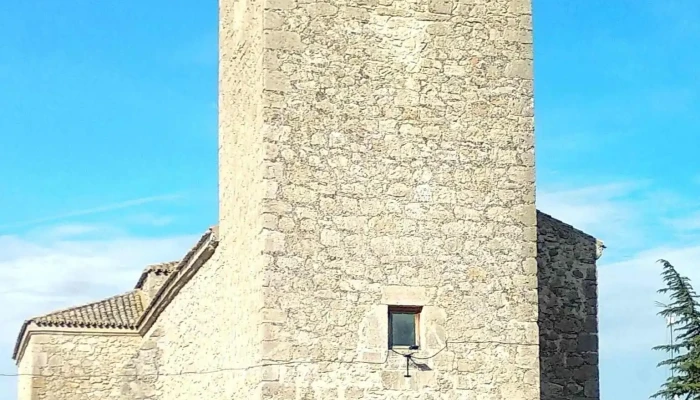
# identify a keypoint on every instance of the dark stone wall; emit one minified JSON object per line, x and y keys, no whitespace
{"x":568,"y":311}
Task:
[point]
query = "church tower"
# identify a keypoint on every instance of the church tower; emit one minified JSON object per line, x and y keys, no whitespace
{"x":377,"y":197}
{"x":377,"y":234}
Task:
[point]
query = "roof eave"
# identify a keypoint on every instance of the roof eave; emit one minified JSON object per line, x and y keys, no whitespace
{"x":186,"y":268}
{"x":21,"y":342}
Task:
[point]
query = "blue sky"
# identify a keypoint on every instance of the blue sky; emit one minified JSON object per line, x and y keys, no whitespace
{"x":109,"y":152}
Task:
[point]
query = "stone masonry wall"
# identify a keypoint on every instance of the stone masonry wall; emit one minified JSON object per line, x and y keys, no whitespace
{"x":241,"y":192}
{"x":568,"y":311}
{"x":399,"y":169}
{"x":26,"y":380}
{"x":80,"y":367}
{"x":198,"y":341}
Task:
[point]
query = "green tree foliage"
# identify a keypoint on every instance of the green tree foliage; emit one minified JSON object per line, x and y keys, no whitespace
{"x":684,"y":353}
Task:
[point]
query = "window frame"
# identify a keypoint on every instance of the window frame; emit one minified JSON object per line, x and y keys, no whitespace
{"x":416,"y":311}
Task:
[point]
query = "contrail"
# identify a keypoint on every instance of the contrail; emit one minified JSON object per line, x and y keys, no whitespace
{"x":96,"y":210}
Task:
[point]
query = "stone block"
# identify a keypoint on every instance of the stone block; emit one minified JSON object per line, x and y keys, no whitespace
{"x":404,"y":295}
{"x":441,"y":6}
{"x":280,"y":4}
{"x":283,"y":40}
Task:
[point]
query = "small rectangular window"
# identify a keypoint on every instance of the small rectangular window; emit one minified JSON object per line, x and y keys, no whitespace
{"x":404,"y":326}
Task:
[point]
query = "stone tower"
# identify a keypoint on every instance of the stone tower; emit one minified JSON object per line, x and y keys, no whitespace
{"x":376,"y":193}
{"x":377,"y":238}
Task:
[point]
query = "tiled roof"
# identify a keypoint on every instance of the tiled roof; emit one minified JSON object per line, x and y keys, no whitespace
{"x":162,"y":268}
{"x":119,"y":312}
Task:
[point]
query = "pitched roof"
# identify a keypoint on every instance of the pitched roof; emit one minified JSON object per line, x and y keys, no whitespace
{"x":119,"y":312}
{"x":159,"y":269}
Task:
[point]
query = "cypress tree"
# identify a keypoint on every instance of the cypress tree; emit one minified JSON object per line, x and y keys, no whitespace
{"x":684,"y":354}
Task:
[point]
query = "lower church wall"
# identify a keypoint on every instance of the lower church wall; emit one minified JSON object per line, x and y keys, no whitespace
{"x":68,"y":366}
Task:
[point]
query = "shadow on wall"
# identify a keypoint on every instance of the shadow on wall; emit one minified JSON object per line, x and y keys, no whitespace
{"x":568,"y":308}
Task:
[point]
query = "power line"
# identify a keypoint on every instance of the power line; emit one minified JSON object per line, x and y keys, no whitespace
{"x":213,"y":371}
{"x":268,"y":364}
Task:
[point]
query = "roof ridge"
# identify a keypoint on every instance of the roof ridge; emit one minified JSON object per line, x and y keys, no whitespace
{"x":165,"y":267}
{"x":161,"y":263}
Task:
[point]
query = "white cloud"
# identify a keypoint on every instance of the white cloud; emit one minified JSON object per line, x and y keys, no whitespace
{"x":147,"y":219}
{"x":606,"y":211}
{"x":625,"y":216}
{"x":67,"y":265}
{"x":685,"y":224}
{"x":628,"y":292}
{"x":630,"y":218}
{"x":589,"y":207}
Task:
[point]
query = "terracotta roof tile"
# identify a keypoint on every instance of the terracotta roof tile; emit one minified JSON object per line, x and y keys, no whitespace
{"x":121,"y":312}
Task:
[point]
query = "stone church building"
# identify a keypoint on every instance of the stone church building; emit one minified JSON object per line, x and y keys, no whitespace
{"x":377,"y":233}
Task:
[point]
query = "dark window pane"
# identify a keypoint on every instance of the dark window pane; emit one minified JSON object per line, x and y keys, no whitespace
{"x":403,"y":329}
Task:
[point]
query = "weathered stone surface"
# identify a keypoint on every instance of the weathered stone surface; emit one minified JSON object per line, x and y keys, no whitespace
{"x":81,"y":366}
{"x":397,"y":182}
{"x":568,"y":311}
{"x":371,"y":153}
{"x":203,"y":338}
